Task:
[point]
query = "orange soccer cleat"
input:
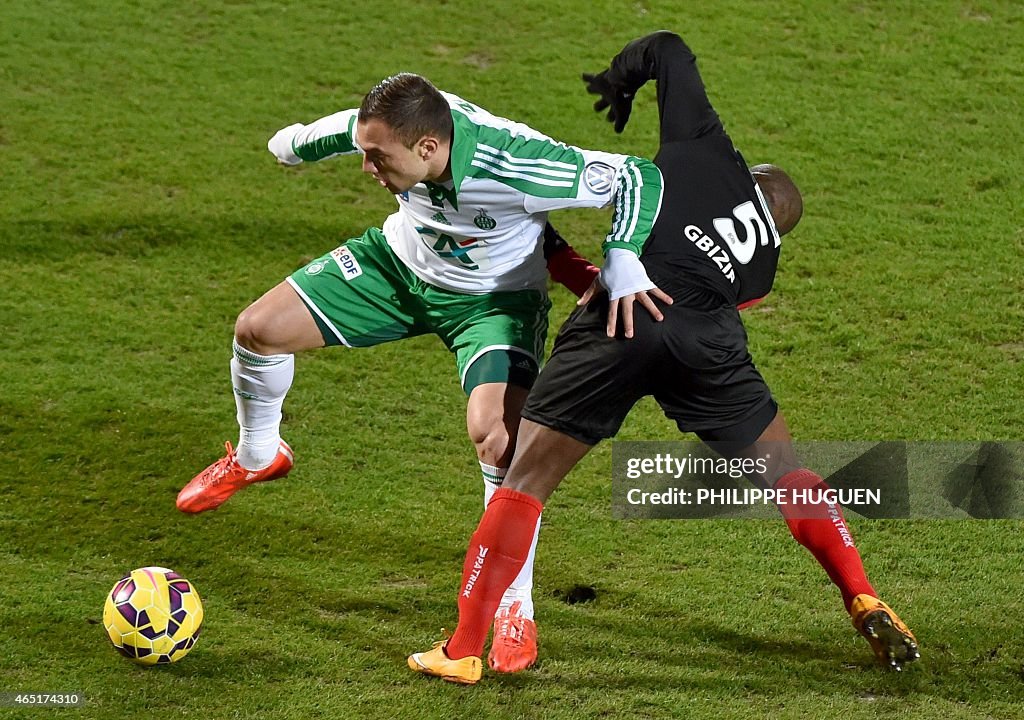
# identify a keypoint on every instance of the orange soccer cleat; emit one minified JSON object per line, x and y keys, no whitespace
{"x":465,"y":671}
{"x":214,"y":485}
{"x":891,"y":640}
{"x":514,"y":646}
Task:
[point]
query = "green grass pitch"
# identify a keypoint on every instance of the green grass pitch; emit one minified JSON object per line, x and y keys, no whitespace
{"x":140,"y":212}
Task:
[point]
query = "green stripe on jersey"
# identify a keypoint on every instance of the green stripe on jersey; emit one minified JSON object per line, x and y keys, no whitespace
{"x":463,"y":146}
{"x":634,"y":219}
{"x":337,"y":144}
{"x":535,"y":166}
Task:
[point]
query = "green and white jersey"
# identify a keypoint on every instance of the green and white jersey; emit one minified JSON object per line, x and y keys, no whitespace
{"x":479,"y":232}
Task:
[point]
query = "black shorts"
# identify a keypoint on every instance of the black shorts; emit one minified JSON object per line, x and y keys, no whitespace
{"x":695,"y":363}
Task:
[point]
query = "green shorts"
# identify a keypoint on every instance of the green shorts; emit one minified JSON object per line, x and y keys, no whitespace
{"x":361,"y":294}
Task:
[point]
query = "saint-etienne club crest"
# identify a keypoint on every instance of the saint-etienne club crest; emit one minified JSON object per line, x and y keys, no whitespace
{"x":484,"y":221}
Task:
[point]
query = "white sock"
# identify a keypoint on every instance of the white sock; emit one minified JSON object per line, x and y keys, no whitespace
{"x":521,"y":590}
{"x":260,"y":383}
{"x":493,"y":478}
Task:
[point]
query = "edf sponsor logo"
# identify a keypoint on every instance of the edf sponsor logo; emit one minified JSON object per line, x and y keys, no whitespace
{"x":349,"y":267}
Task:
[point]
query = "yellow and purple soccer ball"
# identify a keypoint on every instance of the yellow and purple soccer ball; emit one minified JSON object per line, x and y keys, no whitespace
{"x":153,"y":616}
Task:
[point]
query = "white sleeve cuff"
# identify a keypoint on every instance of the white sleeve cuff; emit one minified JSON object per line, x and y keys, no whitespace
{"x":281,"y":144}
{"x":624,"y":274}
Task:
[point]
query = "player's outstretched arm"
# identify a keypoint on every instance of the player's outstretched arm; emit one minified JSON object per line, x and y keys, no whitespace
{"x":325,"y":138}
{"x":683,"y":104}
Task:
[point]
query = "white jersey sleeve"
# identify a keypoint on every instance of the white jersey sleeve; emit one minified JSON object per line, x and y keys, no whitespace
{"x":325,"y":138}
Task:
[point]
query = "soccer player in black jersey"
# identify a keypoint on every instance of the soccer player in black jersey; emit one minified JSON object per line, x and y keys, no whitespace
{"x":715,"y":247}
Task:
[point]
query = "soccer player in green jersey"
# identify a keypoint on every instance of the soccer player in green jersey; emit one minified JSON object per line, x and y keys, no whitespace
{"x":461,"y":258}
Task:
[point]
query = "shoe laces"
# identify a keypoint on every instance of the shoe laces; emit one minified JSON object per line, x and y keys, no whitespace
{"x":510,"y":628}
{"x":446,"y":635}
{"x":219,"y":470}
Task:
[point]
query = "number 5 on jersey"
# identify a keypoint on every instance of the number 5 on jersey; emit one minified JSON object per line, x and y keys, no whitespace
{"x":753,"y":226}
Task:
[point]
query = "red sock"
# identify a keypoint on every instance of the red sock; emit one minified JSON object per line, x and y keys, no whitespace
{"x":497,"y":552}
{"x":822,"y":529}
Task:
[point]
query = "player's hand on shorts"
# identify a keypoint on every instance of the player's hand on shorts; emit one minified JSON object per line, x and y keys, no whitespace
{"x":618,"y":100}
{"x":626,"y":281}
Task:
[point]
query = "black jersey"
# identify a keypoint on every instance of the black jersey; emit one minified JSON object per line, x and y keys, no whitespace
{"x":714,"y":231}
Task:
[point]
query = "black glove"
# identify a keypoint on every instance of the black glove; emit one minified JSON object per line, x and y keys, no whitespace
{"x":618,"y":100}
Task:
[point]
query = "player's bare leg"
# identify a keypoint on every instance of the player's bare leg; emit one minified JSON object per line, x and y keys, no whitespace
{"x":775,"y":443}
{"x":278,"y":323}
{"x":267,"y":333}
{"x":543,"y":458}
{"x":492,"y":418}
